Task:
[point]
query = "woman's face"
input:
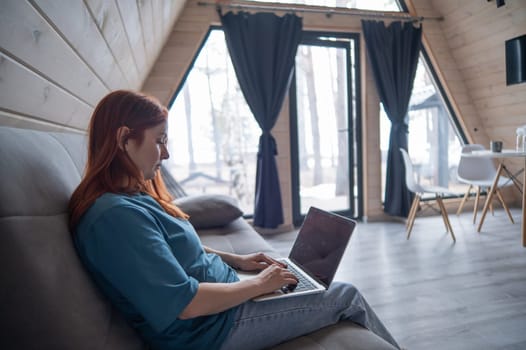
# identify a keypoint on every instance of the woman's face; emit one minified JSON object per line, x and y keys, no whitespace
{"x":148,"y":155}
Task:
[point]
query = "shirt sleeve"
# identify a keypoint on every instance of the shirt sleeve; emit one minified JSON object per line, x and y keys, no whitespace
{"x":128,"y":249}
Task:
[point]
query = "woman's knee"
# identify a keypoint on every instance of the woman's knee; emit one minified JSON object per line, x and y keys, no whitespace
{"x":344,"y":289}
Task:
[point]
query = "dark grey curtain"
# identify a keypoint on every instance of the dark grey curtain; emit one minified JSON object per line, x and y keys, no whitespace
{"x":263,"y":49}
{"x":393,"y":53}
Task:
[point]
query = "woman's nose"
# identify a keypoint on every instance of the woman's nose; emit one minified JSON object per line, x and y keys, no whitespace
{"x":164,"y":152}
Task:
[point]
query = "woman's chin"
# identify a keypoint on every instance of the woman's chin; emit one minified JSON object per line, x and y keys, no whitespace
{"x":150,"y":176}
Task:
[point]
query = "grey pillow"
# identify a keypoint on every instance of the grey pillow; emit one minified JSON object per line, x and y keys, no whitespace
{"x":209,"y":210}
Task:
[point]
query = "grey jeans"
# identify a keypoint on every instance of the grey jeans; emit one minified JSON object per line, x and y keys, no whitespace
{"x":260,"y":325}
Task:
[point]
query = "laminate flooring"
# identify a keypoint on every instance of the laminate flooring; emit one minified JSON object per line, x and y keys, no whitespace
{"x":432,"y":293}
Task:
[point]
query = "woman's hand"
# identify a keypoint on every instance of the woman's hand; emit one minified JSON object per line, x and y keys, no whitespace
{"x":275,"y":277}
{"x":254,"y":262}
{"x":216,"y":297}
{"x":212,"y":298}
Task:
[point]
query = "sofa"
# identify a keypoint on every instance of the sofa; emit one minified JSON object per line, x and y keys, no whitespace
{"x":47,"y":300}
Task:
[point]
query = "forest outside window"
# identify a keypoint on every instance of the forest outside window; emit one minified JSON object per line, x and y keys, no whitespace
{"x":213,"y":134}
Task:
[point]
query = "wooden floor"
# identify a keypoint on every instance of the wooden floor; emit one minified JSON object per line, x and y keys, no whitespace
{"x":432,"y":293}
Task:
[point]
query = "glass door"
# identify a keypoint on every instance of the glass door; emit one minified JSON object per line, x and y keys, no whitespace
{"x":325,"y":142}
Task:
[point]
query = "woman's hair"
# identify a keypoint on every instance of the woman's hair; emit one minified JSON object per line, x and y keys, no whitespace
{"x":109,"y":168}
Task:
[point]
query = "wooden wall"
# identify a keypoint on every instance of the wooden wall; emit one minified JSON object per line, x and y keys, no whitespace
{"x":59,"y":57}
{"x":468,"y":50}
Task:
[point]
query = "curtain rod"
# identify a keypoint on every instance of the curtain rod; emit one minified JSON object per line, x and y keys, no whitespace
{"x":328,"y":13}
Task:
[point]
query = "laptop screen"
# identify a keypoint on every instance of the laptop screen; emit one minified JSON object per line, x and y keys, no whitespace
{"x":320,"y":244}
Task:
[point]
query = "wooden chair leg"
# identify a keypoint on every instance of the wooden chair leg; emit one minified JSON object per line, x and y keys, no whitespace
{"x":459,"y":210}
{"x":445,"y":217}
{"x":476,"y":207}
{"x":490,"y":196}
{"x":438,"y":199}
{"x":414,"y":209}
{"x":412,"y":214}
{"x":491,"y":203}
{"x":501,"y":199}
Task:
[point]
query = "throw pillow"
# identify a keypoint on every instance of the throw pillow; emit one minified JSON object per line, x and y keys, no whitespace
{"x":209,"y":210}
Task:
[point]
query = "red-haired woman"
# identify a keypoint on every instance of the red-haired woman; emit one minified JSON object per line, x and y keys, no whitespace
{"x":148,"y":260}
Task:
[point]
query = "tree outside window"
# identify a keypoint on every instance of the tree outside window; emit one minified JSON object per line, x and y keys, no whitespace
{"x":213,"y":134}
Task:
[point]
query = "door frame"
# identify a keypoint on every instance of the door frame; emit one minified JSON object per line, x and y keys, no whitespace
{"x":355,"y":205}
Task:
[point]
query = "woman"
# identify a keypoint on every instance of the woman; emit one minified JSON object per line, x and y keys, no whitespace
{"x":148,"y":260}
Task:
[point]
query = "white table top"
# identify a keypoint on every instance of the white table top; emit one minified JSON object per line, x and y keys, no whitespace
{"x":506,"y":153}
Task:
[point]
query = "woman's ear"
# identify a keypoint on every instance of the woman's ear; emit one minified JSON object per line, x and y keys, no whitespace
{"x":122,"y":137}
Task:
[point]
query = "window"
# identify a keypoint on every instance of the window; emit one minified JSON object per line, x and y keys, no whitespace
{"x":434,"y":140}
{"x":213,"y":134}
{"x":325,"y":125}
{"x":378,"y":5}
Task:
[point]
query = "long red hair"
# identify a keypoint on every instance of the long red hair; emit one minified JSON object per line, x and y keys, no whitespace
{"x":108,"y":166}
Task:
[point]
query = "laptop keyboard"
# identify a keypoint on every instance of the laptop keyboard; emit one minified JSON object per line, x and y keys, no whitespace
{"x":303,"y":283}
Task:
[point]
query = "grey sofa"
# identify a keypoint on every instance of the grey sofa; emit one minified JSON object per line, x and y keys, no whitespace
{"x":47,"y":301}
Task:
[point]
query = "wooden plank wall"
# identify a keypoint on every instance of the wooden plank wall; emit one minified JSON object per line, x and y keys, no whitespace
{"x":181,"y":47}
{"x":59,"y":57}
{"x":467,"y":48}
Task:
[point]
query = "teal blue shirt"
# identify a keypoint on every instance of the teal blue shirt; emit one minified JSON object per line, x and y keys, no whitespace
{"x":150,"y":264}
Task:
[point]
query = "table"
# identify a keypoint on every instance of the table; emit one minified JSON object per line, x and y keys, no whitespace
{"x":506,"y":153}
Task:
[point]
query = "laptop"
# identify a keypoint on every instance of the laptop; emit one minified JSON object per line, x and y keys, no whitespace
{"x":315,"y":255}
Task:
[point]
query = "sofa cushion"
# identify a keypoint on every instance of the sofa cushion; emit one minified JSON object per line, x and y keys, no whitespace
{"x":341,"y":336}
{"x":39,"y":172}
{"x":209,"y":210}
{"x":236,"y":237}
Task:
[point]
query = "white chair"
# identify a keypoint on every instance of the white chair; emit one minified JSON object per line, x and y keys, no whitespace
{"x":479,"y":172}
{"x":419,"y":191}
